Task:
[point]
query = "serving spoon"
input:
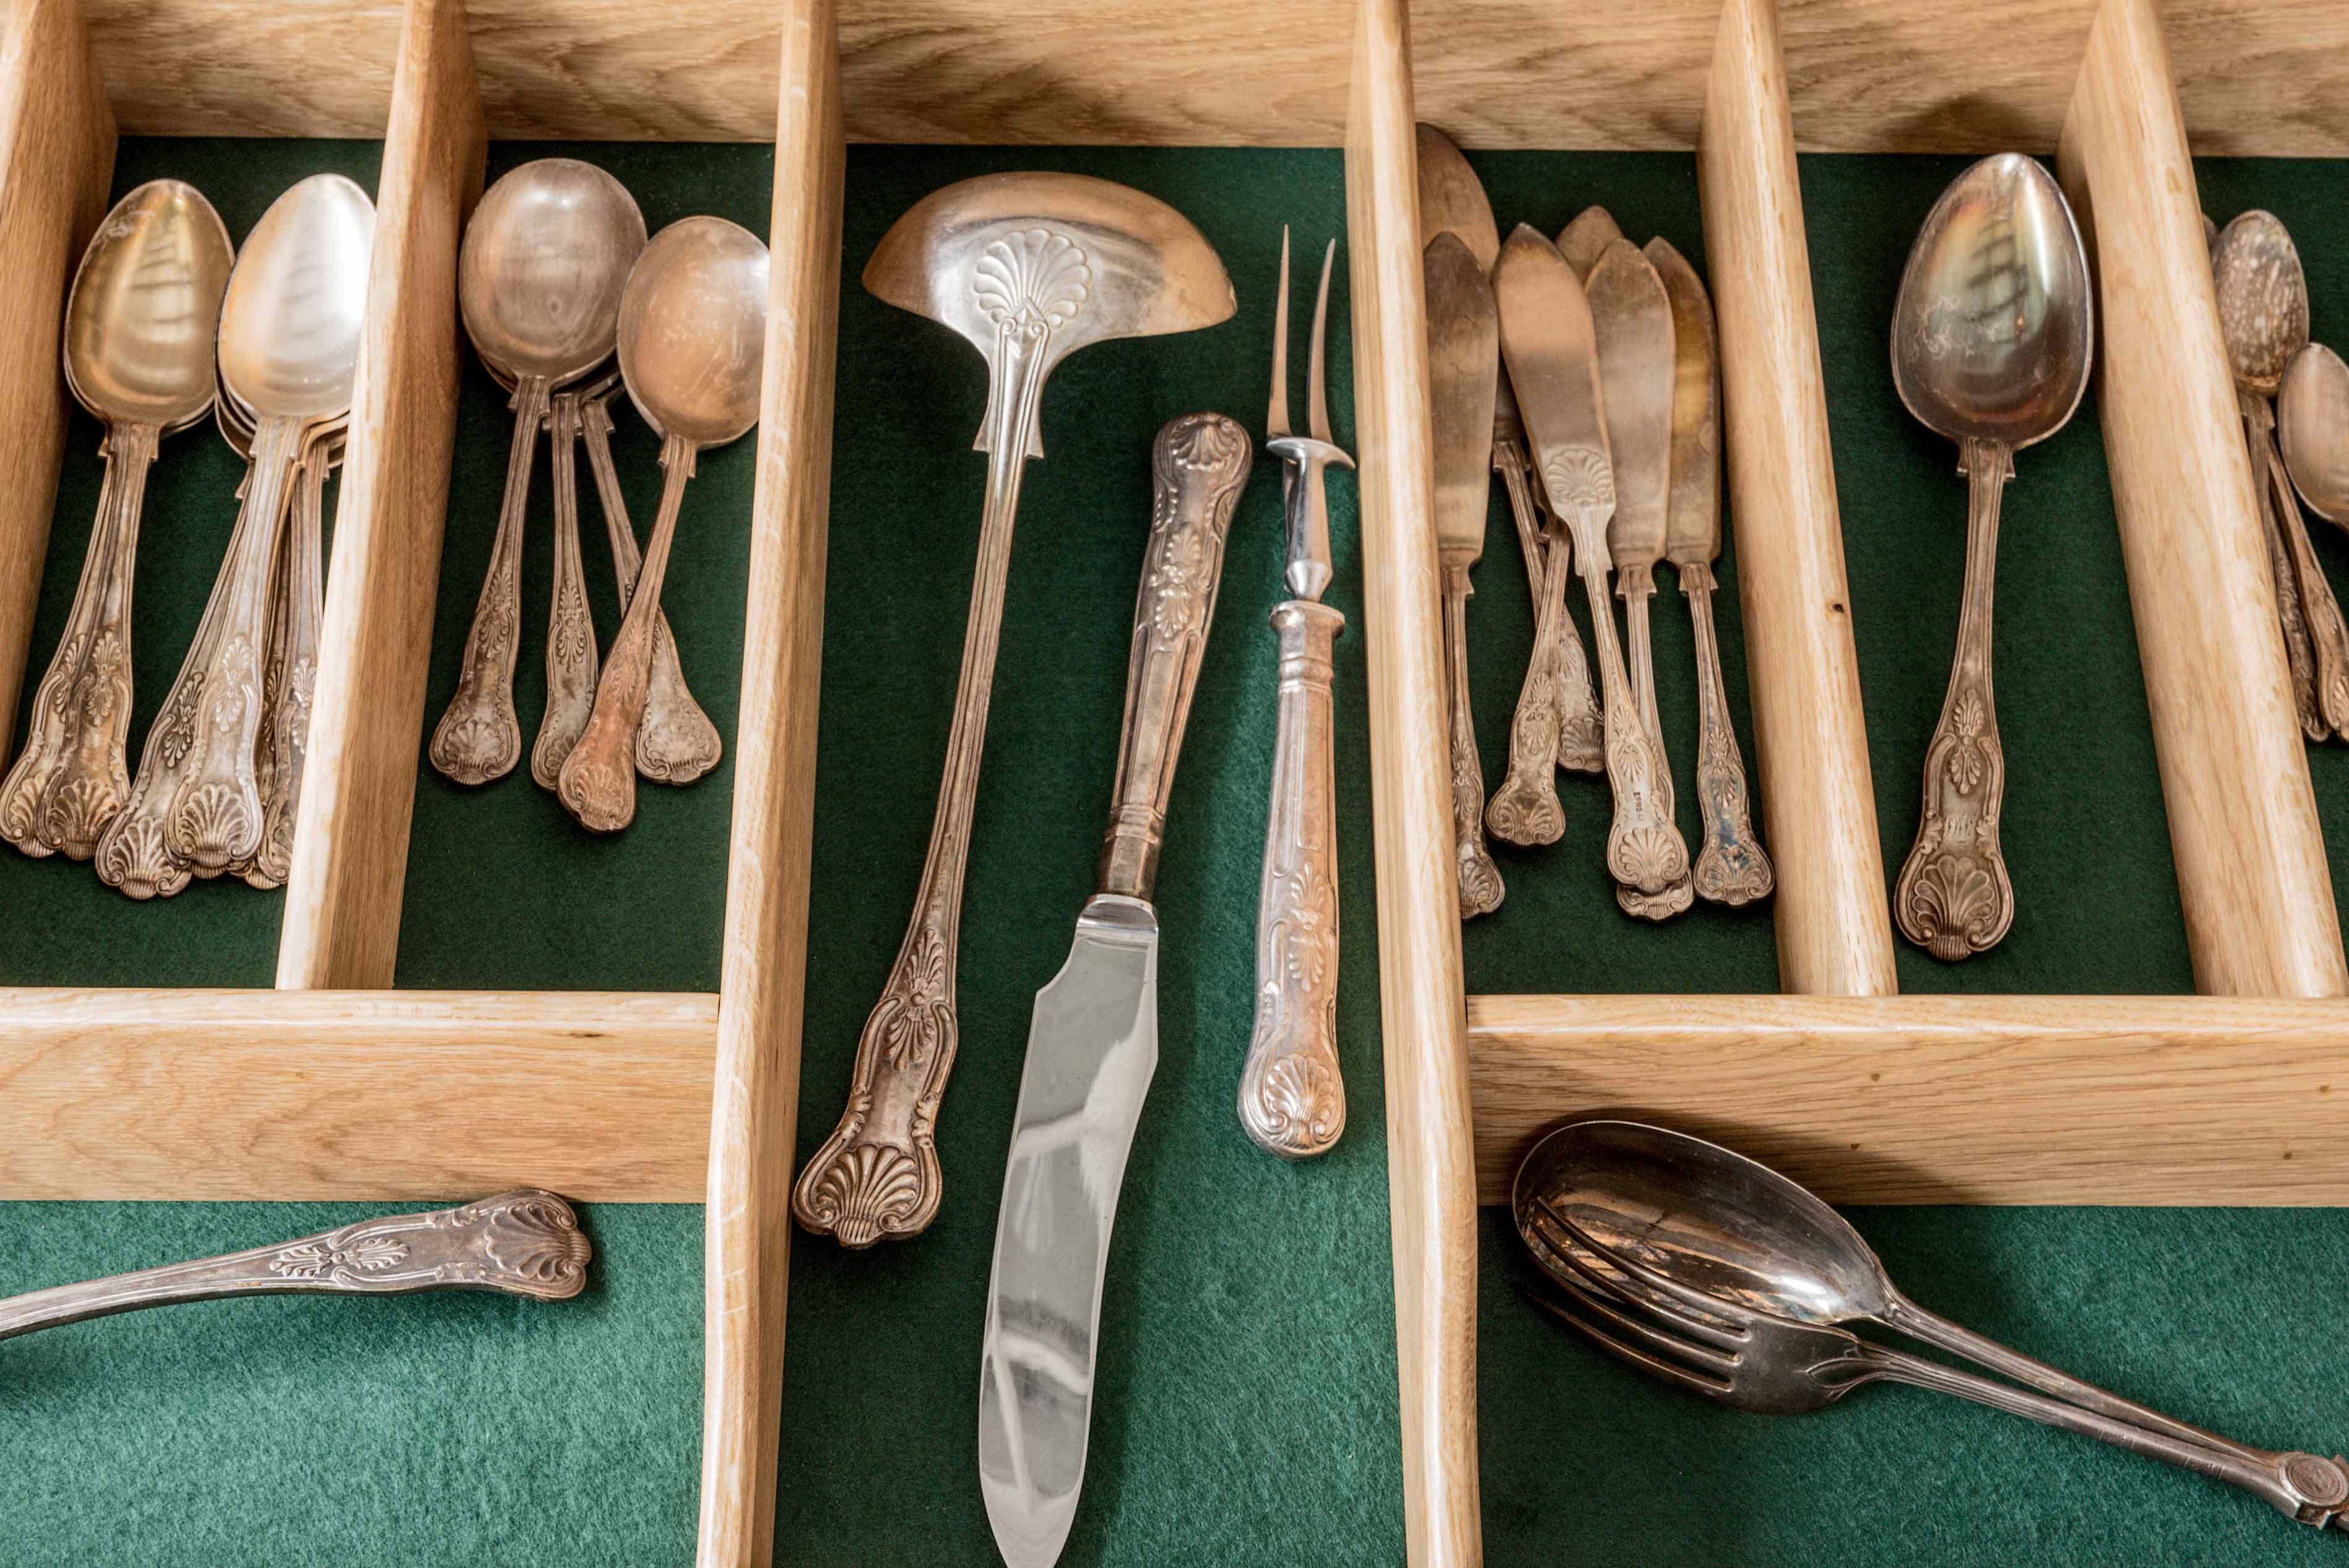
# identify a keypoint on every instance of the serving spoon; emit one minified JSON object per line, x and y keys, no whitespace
{"x":2312,"y":423}
{"x":1991,"y":339}
{"x":693,"y":344}
{"x":290,"y":324}
{"x":139,"y":323}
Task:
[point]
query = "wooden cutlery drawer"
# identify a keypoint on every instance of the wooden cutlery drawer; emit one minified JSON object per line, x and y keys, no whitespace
{"x":472,"y":993}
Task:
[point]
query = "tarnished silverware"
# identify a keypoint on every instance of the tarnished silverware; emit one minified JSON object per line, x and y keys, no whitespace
{"x":1458,"y":245}
{"x":2312,"y":426}
{"x":1631,"y":317}
{"x":1730,"y":867}
{"x":1027,"y":267}
{"x":1547,"y":341}
{"x":1292,"y":1098}
{"x":1993,"y":336}
{"x":138,"y":354}
{"x":1092,"y":1047}
{"x":1586,"y":239}
{"x":539,"y":278}
{"x":693,"y":344}
{"x":2263,"y":315}
{"x":521,"y":1243}
{"x":290,"y":323}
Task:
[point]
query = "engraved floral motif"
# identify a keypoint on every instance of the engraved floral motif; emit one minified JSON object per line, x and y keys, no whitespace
{"x":133,"y":856}
{"x":1649,"y":857}
{"x":1578,"y":479}
{"x":870,"y":1189}
{"x":214,"y":823}
{"x":1967,"y":760}
{"x":1031,"y":281}
{"x":177,"y":723}
{"x":1481,"y":890}
{"x":76,"y":812}
{"x":914,"y":1017}
{"x":1953,"y":906}
{"x":322,"y":1259}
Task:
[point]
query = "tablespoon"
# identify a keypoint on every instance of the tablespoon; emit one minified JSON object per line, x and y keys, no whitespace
{"x":138,"y":354}
{"x":693,"y":340}
{"x":2312,"y":423}
{"x":538,"y":279}
{"x":290,"y":324}
{"x":1991,"y":339}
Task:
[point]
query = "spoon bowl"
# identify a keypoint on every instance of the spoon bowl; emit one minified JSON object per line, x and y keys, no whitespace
{"x":296,"y":304}
{"x":544,"y":260}
{"x":1994,"y":322}
{"x":2313,"y":422}
{"x":693,"y":331}
{"x":145,"y":307}
{"x":2263,"y":299}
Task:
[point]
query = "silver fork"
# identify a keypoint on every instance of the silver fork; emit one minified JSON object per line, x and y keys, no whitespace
{"x":1773,"y":1365}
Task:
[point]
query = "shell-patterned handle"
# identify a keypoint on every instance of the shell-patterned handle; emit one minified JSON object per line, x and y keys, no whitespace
{"x":1732,"y":867}
{"x":479,"y":738}
{"x":300,"y":607}
{"x":571,"y":663}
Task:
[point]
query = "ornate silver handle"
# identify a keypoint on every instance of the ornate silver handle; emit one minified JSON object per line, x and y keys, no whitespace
{"x":1636,"y":585}
{"x":524,"y":1243}
{"x":570,"y":664}
{"x":1581,"y":732}
{"x":74,"y":774}
{"x":1730,"y":869}
{"x":1526,"y":808}
{"x":1645,"y":851}
{"x":1481,"y":890}
{"x":2328,"y":635}
{"x":479,"y":738}
{"x":1292,"y":1099}
{"x":1199,"y":464}
{"x":1954,"y":898}
{"x":294,"y":673}
{"x":676,"y":741}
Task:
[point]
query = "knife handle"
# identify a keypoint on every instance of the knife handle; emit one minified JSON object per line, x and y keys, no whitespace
{"x":1199,"y":465}
{"x":1292,"y":1100}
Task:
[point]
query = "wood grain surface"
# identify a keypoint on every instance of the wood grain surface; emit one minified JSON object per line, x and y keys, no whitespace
{"x":1431,"y":1200}
{"x":1942,"y":1099}
{"x":1810,"y":736}
{"x":763,"y":982}
{"x":260,"y":1095}
{"x":56,"y":162}
{"x":2257,"y":76}
{"x":375,"y":645}
{"x":2252,"y":869}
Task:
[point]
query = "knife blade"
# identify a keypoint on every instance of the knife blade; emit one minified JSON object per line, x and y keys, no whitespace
{"x":1631,"y":318}
{"x":1463,"y":364}
{"x":1692,"y":524}
{"x":1585,"y":240}
{"x":1092,"y":1046}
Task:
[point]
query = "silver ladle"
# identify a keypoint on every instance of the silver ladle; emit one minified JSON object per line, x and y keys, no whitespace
{"x":138,"y":333}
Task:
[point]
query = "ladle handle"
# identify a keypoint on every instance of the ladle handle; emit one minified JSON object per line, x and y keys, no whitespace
{"x":598,"y":780}
{"x":676,"y":743}
{"x":73,"y":772}
{"x":1525,"y":810}
{"x":1481,"y":888}
{"x":1645,"y":851}
{"x":479,"y":738}
{"x":1732,"y":867}
{"x":1954,"y":898}
{"x":571,"y":661}
{"x":301,"y":603}
{"x":1635,"y":585}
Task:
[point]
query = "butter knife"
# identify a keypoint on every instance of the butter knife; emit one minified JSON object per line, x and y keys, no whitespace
{"x":1093,"y":1044}
{"x":1550,"y":344}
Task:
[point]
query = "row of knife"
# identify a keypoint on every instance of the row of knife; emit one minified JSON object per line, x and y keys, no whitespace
{"x":1605,"y":429}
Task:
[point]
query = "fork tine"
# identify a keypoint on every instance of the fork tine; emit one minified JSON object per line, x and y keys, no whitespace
{"x":1572,"y":1257}
{"x":1276,"y":424}
{"x":1713,"y":1308}
{"x":1660,"y":1337}
{"x":1317,"y":400}
{"x":1695,"y":1382}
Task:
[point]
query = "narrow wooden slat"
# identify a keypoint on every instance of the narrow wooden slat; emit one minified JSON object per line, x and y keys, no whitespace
{"x":260,"y":1095}
{"x":350,"y":841}
{"x":1810,"y":737}
{"x":1943,"y":1099}
{"x":1430,"y":1177}
{"x":56,"y":162}
{"x":2252,"y":867}
{"x":754,"y":1110}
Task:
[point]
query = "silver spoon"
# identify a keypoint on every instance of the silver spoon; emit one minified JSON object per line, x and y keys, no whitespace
{"x":539,"y":279}
{"x":2263,"y":315}
{"x":138,"y":356}
{"x":1728,"y":1256}
{"x":1991,"y":339}
{"x":290,"y":325}
{"x":693,"y":340}
{"x":2312,"y":423}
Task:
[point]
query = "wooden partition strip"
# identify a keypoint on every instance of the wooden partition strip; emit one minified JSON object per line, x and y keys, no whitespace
{"x":1432,"y":1198}
{"x":263,"y":1094}
{"x":1810,"y":737}
{"x":1943,"y":1099}
{"x":755,"y":1105}
{"x":2252,"y":867}
{"x":56,"y":164}
{"x":350,"y":837}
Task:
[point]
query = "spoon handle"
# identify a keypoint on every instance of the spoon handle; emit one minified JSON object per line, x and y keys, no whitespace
{"x":520,"y":1243}
{"x":1581,"y":731}
{"x":2328,"y":635}
{"x":598,"y":779}
{"x":1954,"y":898}
{"x":479,"y":738}
{"x":677,"y":743}
{"x":1645,"y":851}
{"x":301,"y":606}
{"x":1480,"y":880}
{"x":1635,"y":584}
{"x":73,"y":772}
{"x":571,"y":661}
{"x":1525,"y":809}
{"x":1732,"y":868}
{"x":2299,"y":654}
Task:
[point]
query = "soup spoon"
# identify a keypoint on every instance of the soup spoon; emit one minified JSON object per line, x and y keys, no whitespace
{"x":538,"y":279}
{"x":1992,"y":338}
{"x":2313,"y":422}
{"x":693,"y":340}
{"x":138,"y":356}
{"x":290,"y":325}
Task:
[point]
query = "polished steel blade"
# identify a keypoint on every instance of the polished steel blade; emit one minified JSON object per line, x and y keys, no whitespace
{"x":1631,"y":317}
{"x":1692,"y":527}
{"x":1553,"y":360}
{"x":1464,"y":363}
{"x":1092,"y":1050}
